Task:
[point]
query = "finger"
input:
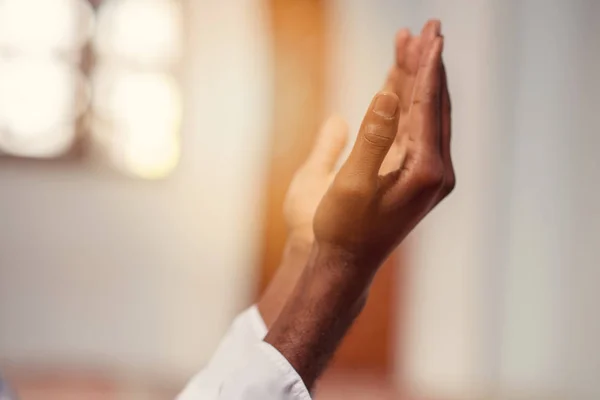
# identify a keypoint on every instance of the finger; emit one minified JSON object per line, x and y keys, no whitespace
{"x":431,"y":30}
{"x":376,"y":135}
{"x":402,"y":41}
{"x":425,"y":105}
{"x":397,"y":76}
{"x":330,"y":143}
{"x":446,"y":132}
{"x":413,"y":55}
{"x":393,"y":81}
{"x":403,"y":74}
{"x":419,"y":44}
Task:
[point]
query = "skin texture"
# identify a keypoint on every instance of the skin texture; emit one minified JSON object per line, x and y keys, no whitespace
{"x":314,"y":177}
{"x":398,"y":170}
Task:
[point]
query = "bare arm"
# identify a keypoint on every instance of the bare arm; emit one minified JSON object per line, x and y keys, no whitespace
{"x":295,"y":255}
{"x":330,"y":294}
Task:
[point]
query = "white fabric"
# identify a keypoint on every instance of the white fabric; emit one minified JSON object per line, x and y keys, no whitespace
{"x":245,"y":367}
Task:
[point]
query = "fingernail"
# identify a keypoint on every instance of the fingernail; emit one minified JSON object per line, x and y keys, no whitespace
{"x":386,"y":105}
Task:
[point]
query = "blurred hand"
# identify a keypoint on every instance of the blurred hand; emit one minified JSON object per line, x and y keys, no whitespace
{"x":313,"y":178}
{"x":302,"y":199}
{"x":366,"y":214}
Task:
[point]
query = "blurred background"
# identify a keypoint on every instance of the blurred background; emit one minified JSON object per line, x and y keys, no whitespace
{"x":146,"y":146}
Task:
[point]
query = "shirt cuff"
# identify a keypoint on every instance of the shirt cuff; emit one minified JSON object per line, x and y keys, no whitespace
{"x":256,"y":322}
{"x":267,"y":376}
{"x":297,"y":387}
{"x":236,"y":347}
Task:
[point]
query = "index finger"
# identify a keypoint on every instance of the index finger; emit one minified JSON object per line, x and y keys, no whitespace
{"x":425,"y":104}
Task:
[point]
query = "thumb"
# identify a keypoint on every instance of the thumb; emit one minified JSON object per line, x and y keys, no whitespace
{"x":330,"y":143}
{"x":376,"y":136}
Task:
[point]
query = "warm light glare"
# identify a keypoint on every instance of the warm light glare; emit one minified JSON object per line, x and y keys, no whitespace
{"x":142,"y":31}
{"x":137,"y":104}
{"x":144,"y":110}
{"x":44,"y":25}
{"x":151,"y":155}
{"x":51,"y":143}
{"x":37,"y":100}
{"x":36,"y":96}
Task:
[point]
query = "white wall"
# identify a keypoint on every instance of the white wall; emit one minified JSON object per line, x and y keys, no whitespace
{"x":99,"y":269}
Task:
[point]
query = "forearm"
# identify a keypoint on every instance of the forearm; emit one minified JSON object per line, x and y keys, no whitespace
{"x":295,"y":256}
{"x":330,"y":294}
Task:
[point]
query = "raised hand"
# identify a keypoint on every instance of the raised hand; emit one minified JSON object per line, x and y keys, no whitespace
{"x":367,"y":214}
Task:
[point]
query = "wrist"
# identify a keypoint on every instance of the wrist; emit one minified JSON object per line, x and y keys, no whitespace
{"x":299,"y":241}
{"x":340,"y":270}
{"x":352,"y":261}
{"x":300,"y":238}
{"x":294,"y":258}
{"x":329,"y":295}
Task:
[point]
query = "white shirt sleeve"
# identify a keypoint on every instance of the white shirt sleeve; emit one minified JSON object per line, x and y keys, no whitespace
{"x":246,"y":368}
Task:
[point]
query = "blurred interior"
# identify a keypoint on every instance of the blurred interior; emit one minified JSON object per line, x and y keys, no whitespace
{"x":146,"y":146}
